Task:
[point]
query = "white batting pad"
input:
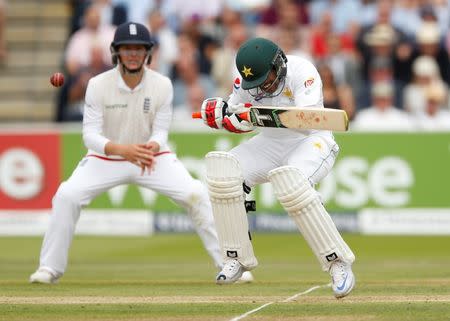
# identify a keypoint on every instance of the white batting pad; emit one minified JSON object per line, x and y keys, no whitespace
{"x":302,"y":203}
{"x":224,"y":178}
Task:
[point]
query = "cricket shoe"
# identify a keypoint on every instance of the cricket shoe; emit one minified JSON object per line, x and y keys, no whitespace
{"x":342,"y":278}
{"x":43,"y":275}
{"x":231,"y":272}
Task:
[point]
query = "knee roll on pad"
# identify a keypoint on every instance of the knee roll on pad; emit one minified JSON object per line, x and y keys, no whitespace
{"x":224,"y":179}
{"x":302,"y":203}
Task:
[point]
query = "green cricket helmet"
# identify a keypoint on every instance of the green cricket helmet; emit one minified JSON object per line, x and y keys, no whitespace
{"x":256,"y":58}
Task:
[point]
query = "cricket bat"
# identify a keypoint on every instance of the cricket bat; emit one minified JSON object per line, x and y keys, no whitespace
{"x":295,"y":117}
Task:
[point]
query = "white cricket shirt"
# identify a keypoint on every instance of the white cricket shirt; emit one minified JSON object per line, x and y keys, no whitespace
{"x":114,"y":112}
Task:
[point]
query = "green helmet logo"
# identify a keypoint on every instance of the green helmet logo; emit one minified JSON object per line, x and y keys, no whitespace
{"x":254,"y":60}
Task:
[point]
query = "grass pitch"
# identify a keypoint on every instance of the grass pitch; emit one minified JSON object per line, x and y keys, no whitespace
{"x":170,"y":278}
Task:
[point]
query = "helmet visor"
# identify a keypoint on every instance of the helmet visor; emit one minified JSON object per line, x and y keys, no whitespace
{"x":277,"y":85}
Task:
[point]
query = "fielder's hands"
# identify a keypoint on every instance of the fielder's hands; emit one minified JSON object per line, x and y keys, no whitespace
{"x":154,"y":148}
{"x":139,"y":154}
{"x":233,"y":122}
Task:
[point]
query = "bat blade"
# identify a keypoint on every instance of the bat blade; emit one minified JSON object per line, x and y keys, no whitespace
{"x":299,"y":118}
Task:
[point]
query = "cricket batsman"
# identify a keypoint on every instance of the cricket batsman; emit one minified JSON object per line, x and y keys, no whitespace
{"x":294,"y":161}
{"x":127,"y":114}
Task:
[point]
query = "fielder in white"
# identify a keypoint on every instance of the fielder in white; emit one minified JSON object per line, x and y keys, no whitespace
{"x":293,"y":161}
{"x":127,"y":114}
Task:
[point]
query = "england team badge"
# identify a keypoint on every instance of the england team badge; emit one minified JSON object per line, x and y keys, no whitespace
{"x":147,"y":105}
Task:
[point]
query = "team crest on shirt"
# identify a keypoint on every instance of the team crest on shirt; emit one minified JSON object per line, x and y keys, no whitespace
{"x":309,"y":82}
{"x":317,"y":145}
{"x":237,"y":84}
{"x":147,"y":102}
{"x":288,"y":93}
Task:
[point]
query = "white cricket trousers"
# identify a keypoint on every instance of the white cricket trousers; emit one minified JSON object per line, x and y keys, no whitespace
{"x":314,"y":156}
{"x":96,"y":175}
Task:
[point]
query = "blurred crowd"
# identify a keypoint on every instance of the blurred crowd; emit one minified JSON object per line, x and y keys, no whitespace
{"x":2,"y":31}
{"x":386,"y":62}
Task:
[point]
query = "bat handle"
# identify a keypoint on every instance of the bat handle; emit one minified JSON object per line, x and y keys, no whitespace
{"x":244,"y":116}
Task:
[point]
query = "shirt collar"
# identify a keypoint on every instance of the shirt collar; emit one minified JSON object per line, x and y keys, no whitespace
{"x":123,"y":86}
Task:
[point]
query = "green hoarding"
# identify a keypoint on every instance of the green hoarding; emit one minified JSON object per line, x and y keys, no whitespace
{"x":372,"y":170}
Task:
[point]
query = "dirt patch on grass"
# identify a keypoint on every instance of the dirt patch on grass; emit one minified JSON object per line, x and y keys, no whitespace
{"x":180,"y":318}
{"x":318,"y":318}
{"x":262,"y":318}
{"x":219,"y":299}
{"x":137,"y":299}
{"x":426,"y":282}
{"x":376,"y":299}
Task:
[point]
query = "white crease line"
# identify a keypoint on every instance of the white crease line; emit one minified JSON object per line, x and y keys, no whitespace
{"x":252,"y":311}
{"x":292,"y":298}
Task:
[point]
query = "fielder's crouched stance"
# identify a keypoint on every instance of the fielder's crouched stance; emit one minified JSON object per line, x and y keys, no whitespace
{"x":126,"y":121}
{"x":293,"y":161}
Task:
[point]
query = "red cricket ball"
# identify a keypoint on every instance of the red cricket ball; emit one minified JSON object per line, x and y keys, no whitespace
{"x":57,"y":79}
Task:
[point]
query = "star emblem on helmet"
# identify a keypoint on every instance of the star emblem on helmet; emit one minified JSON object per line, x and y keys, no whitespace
{"x":247,"y":71}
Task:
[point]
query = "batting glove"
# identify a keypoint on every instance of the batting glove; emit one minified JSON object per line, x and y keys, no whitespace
{"x":213,"y":110}
{"x":233,"y":122}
